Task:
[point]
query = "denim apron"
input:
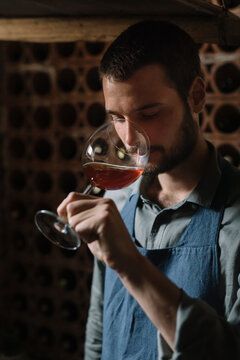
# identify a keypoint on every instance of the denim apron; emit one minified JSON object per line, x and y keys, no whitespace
{"x":193,"y":265}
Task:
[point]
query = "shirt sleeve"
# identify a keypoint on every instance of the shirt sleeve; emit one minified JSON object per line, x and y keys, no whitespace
{"x":93,"y":340}
{"x":201,"y":334}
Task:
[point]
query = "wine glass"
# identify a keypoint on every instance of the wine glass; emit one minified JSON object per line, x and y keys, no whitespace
{"x":113,"y":157}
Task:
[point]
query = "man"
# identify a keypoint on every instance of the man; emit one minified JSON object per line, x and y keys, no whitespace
{"x":165,"y":282}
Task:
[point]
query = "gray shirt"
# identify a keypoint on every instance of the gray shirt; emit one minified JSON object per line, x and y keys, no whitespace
{"x":156,"y":228}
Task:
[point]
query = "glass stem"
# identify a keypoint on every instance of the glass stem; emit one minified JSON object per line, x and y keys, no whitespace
{"x":87,"y":189}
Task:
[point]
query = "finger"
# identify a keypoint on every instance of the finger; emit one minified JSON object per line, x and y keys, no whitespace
{"x":62,"y":208}
{"x":80,"y":218}
{"x":93,"y":213}
{"x":72,"y":196}
{"x":86,"y":226}
{"x":79,"y":206}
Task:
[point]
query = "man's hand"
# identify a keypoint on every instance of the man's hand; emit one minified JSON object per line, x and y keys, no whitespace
{"x":98,"y":223}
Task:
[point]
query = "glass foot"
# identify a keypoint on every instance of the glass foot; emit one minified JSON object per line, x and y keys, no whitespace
{"x":56,"y":230}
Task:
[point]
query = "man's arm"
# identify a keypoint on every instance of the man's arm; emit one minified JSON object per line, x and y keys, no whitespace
{"x":101,"y":226}
{"x":201,"y":334}
{"x":93,"y":340}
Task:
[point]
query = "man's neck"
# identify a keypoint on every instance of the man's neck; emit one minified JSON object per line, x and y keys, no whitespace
{"x":173,"y":187}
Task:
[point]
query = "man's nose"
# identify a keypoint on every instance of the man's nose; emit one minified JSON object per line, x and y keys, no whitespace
{"x":130,"y":134}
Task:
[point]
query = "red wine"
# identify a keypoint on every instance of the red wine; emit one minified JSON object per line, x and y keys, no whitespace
{"x":111,"y":177}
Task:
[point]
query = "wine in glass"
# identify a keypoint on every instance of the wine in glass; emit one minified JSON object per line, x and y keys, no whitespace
{"x":114,"y":157}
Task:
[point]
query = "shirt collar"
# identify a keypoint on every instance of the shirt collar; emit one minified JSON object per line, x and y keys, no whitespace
{"x":204,"y":192}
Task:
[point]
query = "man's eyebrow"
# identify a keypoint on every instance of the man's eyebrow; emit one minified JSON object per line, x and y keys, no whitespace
{"x":149,"y":106}
{"x":144,"y":107}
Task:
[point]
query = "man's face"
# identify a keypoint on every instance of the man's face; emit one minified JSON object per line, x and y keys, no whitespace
{"x":149,"y":99}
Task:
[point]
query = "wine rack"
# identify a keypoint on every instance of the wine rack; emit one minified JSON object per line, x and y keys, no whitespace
{"x":220,"y":120}
{"x":52,"y":101}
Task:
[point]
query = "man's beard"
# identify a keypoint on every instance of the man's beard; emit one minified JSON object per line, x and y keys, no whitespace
{"x":180,"y":150}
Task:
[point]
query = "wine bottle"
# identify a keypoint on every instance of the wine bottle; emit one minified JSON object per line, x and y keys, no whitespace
{"x":227,"y":118}
{"x":20,"y":330}
{"x":18,"y":180}
{"x":17,"y":148}
{"x":43,"y":245}
{"x":66,"y":80}
{"x":68,"y":148}
{"x":40,"y":51}
{"x":43,"y":276}
{"x":41,"y":83}
{"x":43,"y":181}
{"x":227,"y":78}
{"x":69,"y":343}
{"x":18,"y":210}
{"x":66,"y":49}
{"x":230,"y":153}
{"x":43,"y":149}
{"x":93,"y":80}
{"x":96,"y":115}
{"x":67,"y":181}
{"x":69,"y":311}
{"x":42,"y":117}
{"x":45,"y":336}
{"x":19,"y":272}
{"x":94,"y":47}
{"x":16,"y":117}
{"x":19,"y":302}
{"x":14,"y":52}
{"x":67,"y":114}
{"x":67,"y":280}
{"x":15,"y":84}
{"x":46,"y":307}
{"x":19,"y":240}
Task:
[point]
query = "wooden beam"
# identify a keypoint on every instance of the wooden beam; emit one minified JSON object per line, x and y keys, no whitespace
{"x":223,"y":30}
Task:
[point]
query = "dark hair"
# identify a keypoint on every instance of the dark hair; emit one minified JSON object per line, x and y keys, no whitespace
{"x":153,"y":42}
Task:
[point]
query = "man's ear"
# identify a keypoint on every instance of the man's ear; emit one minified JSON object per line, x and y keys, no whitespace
{"x":197,"y":93}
